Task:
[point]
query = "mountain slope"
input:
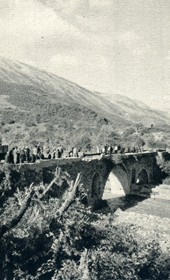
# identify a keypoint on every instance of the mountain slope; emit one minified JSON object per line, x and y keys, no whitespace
{"x":136,"y":111}
{"x":34,"y":82}
{"x":34,"y":100}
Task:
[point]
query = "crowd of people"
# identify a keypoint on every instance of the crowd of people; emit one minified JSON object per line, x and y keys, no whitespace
{"x":118,"y":149}
{"x":27,"y":154}
{"x":30,"y":155}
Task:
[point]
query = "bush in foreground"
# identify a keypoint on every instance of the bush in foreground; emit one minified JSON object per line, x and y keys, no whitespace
{"x":61,"y":239}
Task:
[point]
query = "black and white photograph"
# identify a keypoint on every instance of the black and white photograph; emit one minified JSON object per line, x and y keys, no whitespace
{"x":84,"y":140}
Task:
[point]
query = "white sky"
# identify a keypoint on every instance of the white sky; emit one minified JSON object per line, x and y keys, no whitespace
{"x":112,"y":46}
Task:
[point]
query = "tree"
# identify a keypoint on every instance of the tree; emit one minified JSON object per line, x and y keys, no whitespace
{"x":135,"y":140}
{"x":83,"y":142}
{"x":107,"y":135}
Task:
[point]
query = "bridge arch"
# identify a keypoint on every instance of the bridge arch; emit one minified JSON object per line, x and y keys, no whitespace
{"x":117,"y":183}
{"x":143,"y":177}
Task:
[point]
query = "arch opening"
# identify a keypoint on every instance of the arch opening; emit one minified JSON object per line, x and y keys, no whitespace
{"x":117,"y":184}
{"x":142,"y":178}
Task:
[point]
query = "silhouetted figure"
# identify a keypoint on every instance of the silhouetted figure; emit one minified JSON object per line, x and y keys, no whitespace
{"x":58,"y":153}
{"x":61,"y":150}
{"x":53,"y":154}
{"x":41,"y":155}
{"x":18,"y":155}
{"x":110,"y":150}
{"x":27,"y":154}
{"x":22,"y":156}
{"x":11,"y":157}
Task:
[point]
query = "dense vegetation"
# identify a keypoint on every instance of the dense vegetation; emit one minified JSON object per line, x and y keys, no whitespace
{"x":56,"y":124}
{"x":49,"y":236}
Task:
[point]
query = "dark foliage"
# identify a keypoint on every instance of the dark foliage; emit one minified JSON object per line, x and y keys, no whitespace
{"x":75,"y":243}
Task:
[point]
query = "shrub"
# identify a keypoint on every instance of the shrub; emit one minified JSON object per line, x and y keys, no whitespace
{"x":11,"y":122}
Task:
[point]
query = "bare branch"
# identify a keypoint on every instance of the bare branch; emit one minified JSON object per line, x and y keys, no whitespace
{"x":57,"y":175}
{"x":70,"y":195}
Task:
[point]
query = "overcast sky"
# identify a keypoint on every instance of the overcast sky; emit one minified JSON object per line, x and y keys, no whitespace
{"x":112,"y":46}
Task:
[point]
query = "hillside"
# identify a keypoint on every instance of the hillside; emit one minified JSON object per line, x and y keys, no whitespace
{"x":39,"y":106}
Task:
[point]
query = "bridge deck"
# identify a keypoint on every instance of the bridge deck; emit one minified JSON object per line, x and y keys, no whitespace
{"x":89,"y":156}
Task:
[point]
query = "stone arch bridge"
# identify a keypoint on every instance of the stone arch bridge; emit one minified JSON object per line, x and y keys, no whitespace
{"x":137,"y":173}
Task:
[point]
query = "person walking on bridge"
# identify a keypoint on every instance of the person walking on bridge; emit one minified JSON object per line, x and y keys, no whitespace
{"x":27,"y":153}
{"x":22,"y":156}
{"x":110,"y":150}
{"x":15,"y":155}
{"x":7,"y":157}
{"x":11,"y":156}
